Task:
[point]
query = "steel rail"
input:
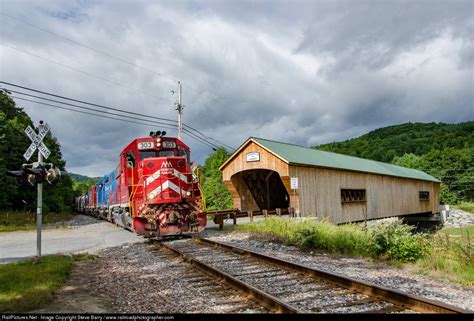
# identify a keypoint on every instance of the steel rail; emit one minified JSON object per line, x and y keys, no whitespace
{"x":266,"y":300}
{"x":405,"y":300}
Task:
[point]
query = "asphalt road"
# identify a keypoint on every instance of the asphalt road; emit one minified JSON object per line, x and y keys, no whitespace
{"x":89,"y":238}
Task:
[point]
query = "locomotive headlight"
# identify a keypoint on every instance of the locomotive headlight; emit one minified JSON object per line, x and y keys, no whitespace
{"x":188,"y":193}
{"x":158,"y":140}
{"x":151,"y":196}
{"x":158,"y":145}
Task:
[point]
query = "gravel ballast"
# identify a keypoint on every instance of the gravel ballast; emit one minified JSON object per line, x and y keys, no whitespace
{"x":138,"y":278}
{"x":377,"y":273}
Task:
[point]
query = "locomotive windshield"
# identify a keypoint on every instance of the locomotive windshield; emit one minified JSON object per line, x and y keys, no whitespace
{"x":166,"y":153}
{"x":147,"y":154}
{"x":153,"y":153}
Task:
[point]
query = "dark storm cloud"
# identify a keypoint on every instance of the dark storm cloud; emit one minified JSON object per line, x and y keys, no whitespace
{"x":306,"y":72}
{"x":373,"y":33}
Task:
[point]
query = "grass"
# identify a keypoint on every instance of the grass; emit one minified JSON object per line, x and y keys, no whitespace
{"x":347,"y":239}
{"x":451,"y":255}
{"x":447,"y":254}
{"x":27,"y":285}
{"x":11,"y":221}
{"x":460,"y":231}
{"x":466,"y":206}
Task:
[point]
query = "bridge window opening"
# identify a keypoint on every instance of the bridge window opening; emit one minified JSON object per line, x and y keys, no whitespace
{"x":352,"y":195}
{"x":424,"y":196}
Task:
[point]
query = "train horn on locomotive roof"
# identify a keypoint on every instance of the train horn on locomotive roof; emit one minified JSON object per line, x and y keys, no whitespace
{"x":158,"y":133}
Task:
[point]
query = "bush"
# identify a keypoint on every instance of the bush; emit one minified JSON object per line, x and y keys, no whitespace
{"x":393,"y":241}
{"x":396,"y":242}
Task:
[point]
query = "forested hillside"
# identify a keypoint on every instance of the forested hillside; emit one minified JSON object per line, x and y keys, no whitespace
{"x":384,"y":144}
{"x":13,"y":143}
{"x":81,"y":183}
{"x":445,"y":151}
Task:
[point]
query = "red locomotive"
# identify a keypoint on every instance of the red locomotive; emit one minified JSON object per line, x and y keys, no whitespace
{"x":153,"y":191}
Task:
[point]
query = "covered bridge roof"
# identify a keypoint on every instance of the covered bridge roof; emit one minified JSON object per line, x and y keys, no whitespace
{"x":298,"y":155}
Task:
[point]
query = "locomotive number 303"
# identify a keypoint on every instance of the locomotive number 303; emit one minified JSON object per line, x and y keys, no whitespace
{"x":145,"y":145}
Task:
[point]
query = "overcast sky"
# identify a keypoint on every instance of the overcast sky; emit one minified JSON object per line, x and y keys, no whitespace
{"x":305,"y":72}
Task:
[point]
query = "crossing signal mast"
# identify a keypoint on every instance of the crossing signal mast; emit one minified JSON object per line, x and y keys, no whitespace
{"x":37,"y":172}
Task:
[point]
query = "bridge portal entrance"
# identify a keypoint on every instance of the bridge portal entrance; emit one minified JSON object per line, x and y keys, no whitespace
{"x":260,"y":189}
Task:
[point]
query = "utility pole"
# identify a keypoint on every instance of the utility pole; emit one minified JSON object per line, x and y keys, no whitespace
{"x":179,"y":108}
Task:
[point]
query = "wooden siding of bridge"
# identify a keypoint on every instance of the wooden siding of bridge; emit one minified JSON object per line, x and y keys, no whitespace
{"x":319,"y":192}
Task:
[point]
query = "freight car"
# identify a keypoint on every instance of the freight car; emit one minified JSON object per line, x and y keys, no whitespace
{"x":153,"y":191}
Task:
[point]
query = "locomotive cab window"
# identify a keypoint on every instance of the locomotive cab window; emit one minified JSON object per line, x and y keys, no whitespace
{"x":352,"y":195}
{"x":147,"y":154}
{"x":424,"y":195}
{"x":130,"y":158}
{"x":166,"y":153}
{"x":185,"y":153}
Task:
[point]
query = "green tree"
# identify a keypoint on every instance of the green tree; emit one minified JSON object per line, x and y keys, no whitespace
{"x":216,"y":194}
{"x":453,"y":167}
{"x":13,"y":143}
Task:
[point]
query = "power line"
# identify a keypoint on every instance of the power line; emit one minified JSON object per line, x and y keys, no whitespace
{"x":84,"y":112}
{"x":84,"y":102}
{"x":90,"y":48}
{"x":188,"y":129}
{"x":87,"y":108}
{"x":98,"y":51}
{"x":85,"y":72}
{"x":150,"y":123}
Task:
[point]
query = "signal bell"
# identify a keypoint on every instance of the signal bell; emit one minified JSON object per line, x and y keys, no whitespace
{"x":53,"y":174}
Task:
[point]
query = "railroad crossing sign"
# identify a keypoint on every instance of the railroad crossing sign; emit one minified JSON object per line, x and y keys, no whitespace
{"x":37,"y":141}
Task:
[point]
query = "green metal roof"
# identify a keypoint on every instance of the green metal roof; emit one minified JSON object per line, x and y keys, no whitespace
{"x":294,"y":154}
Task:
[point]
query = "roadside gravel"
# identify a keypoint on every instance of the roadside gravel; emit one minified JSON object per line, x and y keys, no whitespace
{"x":377,"y":273}
{"x":76,"y":221}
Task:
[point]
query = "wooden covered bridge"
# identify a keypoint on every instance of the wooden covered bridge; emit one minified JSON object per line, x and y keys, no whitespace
{"x":338,"y":187}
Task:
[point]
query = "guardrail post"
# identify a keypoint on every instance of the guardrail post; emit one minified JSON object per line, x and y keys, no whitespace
{"x":278,"y":211}
{"x":265,"y":213}
{"x":235,"y":217}
{"x":250,"y":213}
{"x":221,"y":222}
{"x":291,"y":211}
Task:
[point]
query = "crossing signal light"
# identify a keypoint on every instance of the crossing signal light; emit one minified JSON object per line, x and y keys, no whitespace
{"x":21,"y":176}
{"x":36,"y":175}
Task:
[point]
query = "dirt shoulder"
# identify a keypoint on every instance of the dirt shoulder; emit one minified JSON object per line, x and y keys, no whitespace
{"x":78,"y":294}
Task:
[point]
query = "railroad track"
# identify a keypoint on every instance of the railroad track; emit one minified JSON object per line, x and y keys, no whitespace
{"x":223,"y":297}
{"x":286,"y":287}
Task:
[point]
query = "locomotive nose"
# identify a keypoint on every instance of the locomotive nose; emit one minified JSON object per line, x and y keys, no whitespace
{"x":166,"y":181}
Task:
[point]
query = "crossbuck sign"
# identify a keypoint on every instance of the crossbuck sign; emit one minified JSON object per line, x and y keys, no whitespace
{"x":37,"y":141}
